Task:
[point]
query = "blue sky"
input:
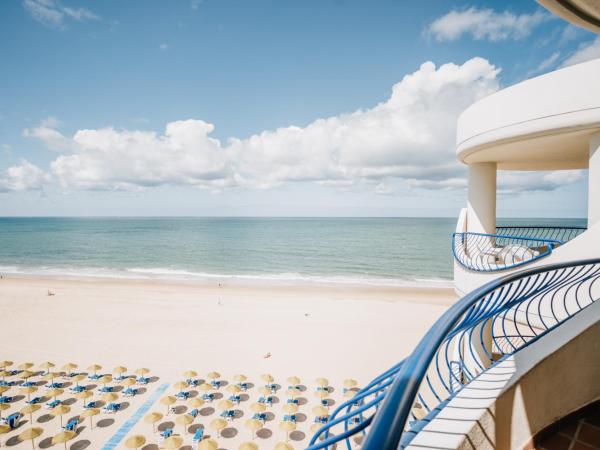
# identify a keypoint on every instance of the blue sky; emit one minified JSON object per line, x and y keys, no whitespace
{"x":88,"y":90}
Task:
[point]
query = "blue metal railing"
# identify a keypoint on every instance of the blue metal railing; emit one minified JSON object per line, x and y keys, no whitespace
{"x":481,"y":329}
{"x":510,"y":247}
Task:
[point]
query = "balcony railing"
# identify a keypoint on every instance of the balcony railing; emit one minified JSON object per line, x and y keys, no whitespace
{"x":510,"y":247}
{"x":483,"y":328}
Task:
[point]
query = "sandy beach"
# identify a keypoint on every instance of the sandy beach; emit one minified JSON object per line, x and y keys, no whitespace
{"x":310,"y":331}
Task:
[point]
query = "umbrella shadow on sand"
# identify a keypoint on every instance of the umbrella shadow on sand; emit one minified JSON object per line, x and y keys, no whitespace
{"x":80,"y":445}
{"x":229,"y":432}
{"x":150,"y":447}
{"x":264,"y":433}
{"x":297,"y":435}
{"x":105,"y":423}
{"x":207,"y":411}
{"x":165,"y":425}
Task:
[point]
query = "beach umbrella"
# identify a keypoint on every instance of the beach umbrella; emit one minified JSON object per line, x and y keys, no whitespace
{"x":248,"y":446}
{"x":321,"y":394}
{"x":128,"y":382}
{"x":50,"y":376}
{"x":208,"y":444}
{"x":120,"y":369}
{"x":105,"y":379}
{"x":294,"y":392}
{"x":30,"y":409}
{"x":6,"y":363}
{"x":254,"y":425}
{"x":54,"y":392}
{"x":60,"y":411}
{"x":264,"y":390}
{"x":168,"y":401}
{"x":290,"y":408}
{"x":225,"y":404}
{"x":46,"y":365}
{"x":78,"y":378}
{"x":293,"y":380}
{"x":25,"y":374}
{"x":195,"y":402}
{"x":350,"y":383}
{"x":90,"y":413}
{"x":213,"y":375}
{"x":240,"y":378}
{"x":320,"y":411}
{"x":350,"y":393}
{"x":322,"y":382}
{"x":63,"y":437}
{"x":185,"y":420}
{"x":83,"y":395}
{"x":95,"y":368}
{"x":258,"y":407}
{"x":190,"y":374}
{"x":142,"y":371}
{"x":316,"y":427}
{"x":283,"y":446}
{"x":110,"y":397}
{"x":288,"y":427}
{"x":25,"y":366}
{"x":267,"y":378}
{"x":28,"y":390}
{"x":3,"y":407}
{"x":218,"y":424}
{"x":233,"y":388}
{"x":135,"y":441}
{"x":30,"y":434}
{"x":3,"y":389}
{"x":69,"y":367}
{"x":152,"y":418}
{"x":173,"y":442}
{"x":180,"y":385}
{"x":4,"y":428}
{"x":4,"y":374}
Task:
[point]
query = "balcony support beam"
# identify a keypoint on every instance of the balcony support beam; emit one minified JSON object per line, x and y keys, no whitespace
{"x":594,"y":181}
{"x":481,"y":211}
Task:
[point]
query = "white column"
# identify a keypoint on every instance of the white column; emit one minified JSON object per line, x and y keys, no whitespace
{"x":481,"y":212}
{"x":594,"y":181}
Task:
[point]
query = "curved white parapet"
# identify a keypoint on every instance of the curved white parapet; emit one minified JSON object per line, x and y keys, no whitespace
{"x":544,"y":123}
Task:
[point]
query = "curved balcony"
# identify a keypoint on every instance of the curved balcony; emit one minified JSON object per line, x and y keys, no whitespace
{"x":481,"y":331}
{"x":510,"y":247}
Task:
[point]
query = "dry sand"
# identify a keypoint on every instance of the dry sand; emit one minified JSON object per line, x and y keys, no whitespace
{"x":310,"y":331}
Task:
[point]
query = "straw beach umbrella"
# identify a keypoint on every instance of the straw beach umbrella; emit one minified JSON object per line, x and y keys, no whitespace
{"x":234,"y":389}
{"x":25,"y":374}
{"x":135,"y":441}
{"x":290,"y":408}
{"x":267,"y":378}
{"x":195,"y":402}
{"x":173,"y":442}
{"x":168,"y":401}
{"x":4,"y":374}
{"x":90,"y":413}
{"x":6,"y":363}
{"x":95,"y":368}
{"x":63,"y":437}
{"x":83,"y":395}
{"x":288,"y":427}
{"x":350,"y":383}
{"x":225,"y":404}
{"x":50,"y":376}
{"x":60,"y":411}
{"x":322,"y":382}
{"x":25,"y":366}
{"x":3,"y":389}
{"x":294,"y":392}
{"x":184,"y":420}
{"x":208,"y":444}
{"x":142,"y":371}
{"x":283,"y":446}
{"x":78,"y":378}
{"x":180,"y":385}
{"x":128,"y":382}
{"x":54,"y":392}
{"x":110,"y":397}
{"x":218,"y":424}
{"x":69,"y":367}
{"x":30,"y":409}
{"x":152,"y":418}
{"x":294,"y":381}
{"x":28,"y":390}
{"x":248,"y":446}
{"x":3,"y":407}
{"x":30,"y":434}
{"x":4,"y":429}
{"x":258,"y":407}
{"x":189,"y":374}
{"x":213,"y":375}
{"x":239,"y":378}
{"x":253,"y":425}
{"x":106,"y":379}
{"x":320,"y":411}
{"x":264,"y":390}
{"x":120,"y":370}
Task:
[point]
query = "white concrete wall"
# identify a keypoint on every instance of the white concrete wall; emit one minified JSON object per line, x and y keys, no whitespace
{"x":481,"y":207}
{"x":594,"y":181}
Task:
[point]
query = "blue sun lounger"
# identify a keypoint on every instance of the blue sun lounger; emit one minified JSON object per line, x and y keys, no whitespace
{"x":194,"y":412}
{"x":34,"y":401}
{"x":112,"y":407}
{"x":289,"y":418}
{"x":235,"y":399}
{"x":130,"y":392}
{"x":13,"y":420}
{"x":6,"y":399}
{"x":72,"y":425}
{"x":198,"y":435}
{"x":208,"y":397}
{"x":77,"y":389}
{"x":260,"y":416}
{"x":268,"y":400}
{"x":52,"y":404}
{"x":183,"y":395}
{"x":90,"y":405}
{"x":228,"y":414}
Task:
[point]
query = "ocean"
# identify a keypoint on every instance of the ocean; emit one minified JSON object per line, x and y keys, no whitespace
{"x":382,"y":251}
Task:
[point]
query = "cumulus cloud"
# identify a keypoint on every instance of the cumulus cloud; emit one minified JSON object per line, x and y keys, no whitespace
{"x":517,"y":182}
{"x":410,"y":135}
{"x":54,"y":14}
{"x":586,"y":52}
{"x":23,"y":177}
{"x":48,"y":133}
{"x":484,"y":23}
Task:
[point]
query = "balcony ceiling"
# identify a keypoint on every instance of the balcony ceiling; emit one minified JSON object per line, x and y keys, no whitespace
{"x":583,"y":13}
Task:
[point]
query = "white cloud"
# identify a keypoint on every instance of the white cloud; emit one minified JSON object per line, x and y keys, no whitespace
{"x":514,"y":182}
{"x":485,"y":24}
{"x":410,"y":135}
{"x":586,"y":52}
{"x":24,"y":177}
{"x":54,"y":14}
{"x":48,"y":133}
{"x":546,"y":64}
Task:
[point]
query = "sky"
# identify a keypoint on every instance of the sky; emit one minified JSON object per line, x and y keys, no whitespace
{"x":265,"y":108}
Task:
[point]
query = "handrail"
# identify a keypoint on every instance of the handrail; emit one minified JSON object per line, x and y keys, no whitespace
{"x":482,"y":252}
{"x":496,"y":320}
{"x":562,"y":234}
